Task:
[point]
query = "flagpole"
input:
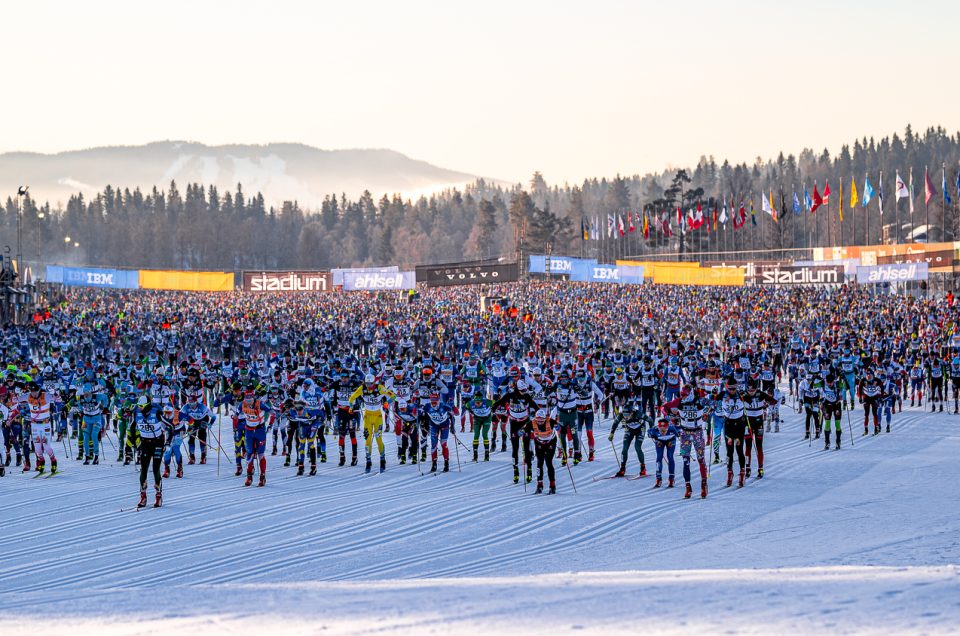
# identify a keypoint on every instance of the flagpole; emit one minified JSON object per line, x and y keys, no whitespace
{"x":943,"y":207}
{"x":926,"y":206}
{"x":853,"y":215}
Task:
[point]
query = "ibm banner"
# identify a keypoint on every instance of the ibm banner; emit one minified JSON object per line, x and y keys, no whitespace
{"x":801,"y":275}
{"x":338,"y":273}
{"x":557,"y":264}
{"x":449,"y":275}
{"x":287,"y":281}
{"x":93,"y":277}
{"x":377,"y":281}
{"x":583,"y":272}
{"x":892,"y":273}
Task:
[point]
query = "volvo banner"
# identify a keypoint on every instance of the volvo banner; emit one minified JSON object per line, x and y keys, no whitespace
{"x":892,"y":273}
{"x":378,"y":281}
{"x":455,"y":274}
{"x":287,"y":281}
{"x":93,"y":277}
{"x":558,"y":265}
{"x":801,"y":275}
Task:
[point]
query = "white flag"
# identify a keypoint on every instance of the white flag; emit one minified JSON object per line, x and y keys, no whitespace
{"x":902,"y":192}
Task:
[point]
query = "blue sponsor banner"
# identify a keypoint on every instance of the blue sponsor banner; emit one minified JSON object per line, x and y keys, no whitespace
{"x":558,"y":264}
{"x":622,"y":274}
{"x":93,"y":277}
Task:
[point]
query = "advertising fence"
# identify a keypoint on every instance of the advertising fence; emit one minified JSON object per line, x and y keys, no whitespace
{"x":290,"y":281}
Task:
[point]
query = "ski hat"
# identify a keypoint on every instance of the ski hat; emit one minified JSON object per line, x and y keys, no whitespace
{"x":541,"y":414}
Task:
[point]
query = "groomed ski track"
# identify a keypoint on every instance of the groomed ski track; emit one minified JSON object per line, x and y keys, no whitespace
{"x":861,"y":540}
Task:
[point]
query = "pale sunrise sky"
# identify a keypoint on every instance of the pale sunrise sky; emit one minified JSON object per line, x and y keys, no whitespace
{"x":495,"y":88}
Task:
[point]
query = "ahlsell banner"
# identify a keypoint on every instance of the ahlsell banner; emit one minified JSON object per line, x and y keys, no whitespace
{"x":892,"y":273}
{"x":801,"y":275}
{"x":453,"y":274}
{"x":378,"y":281}
{"x":286,"y":281}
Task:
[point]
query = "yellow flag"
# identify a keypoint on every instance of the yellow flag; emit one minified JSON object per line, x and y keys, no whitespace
{"x":853,"y":193}
{"x":841,"y":200}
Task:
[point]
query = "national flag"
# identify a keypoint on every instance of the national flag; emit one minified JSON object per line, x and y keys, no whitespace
{"x":841,"y":200}
{"x":610,"y":225}
{"x":943,"y":187}
{"x":583,"y":229}
{"x":817,"y":199}
{"x":698,"y":219}
{"x":723,"y":213}
{"x":807,"y":201}
{"x":853,"y":193}
{"x":743,"y":214}
{"x":958,"y":185}
{"x":714,"y":215}
{"x":868,"y":191}
{"x":753,"y":214}
{"x":766,"y":205}
{"x":902,"y":192}
{"x":826,"y":192}
{"x":632,"y":228}
{"x":679,"y":217}
{"x":796,"y":203}
{"x":880,"y":192}
{"x":928,"y":188}
{"x":620,"y":225}
{"x":646,"y":227}
{"x":595,"y":229}
{"x":912,"y":195}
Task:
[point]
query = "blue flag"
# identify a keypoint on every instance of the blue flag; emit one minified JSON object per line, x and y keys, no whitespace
{"x":807,"y":201}
{"x":867,"y":191}
{"x":943,"y":186}
{"x":796,"y":203}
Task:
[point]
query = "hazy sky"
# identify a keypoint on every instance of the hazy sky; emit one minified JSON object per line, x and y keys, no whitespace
{"x":573,"y":89}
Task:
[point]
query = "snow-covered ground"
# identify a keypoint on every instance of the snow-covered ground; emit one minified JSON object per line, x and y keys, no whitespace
{"x":865,"y":539}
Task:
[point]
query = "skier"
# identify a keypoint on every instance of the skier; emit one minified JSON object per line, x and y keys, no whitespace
{"x":634,"y":430}
{"x":371,"y":394}
{"x":147,"y":423}
{"x":174,"y":429}
{"x":252,"y":417}
{"x":832,"y":401}
{"x":755,"y":403}
{"x":39,"y":405}
{"x":439,"y":414}
{"x":480,"y":408}
{"x":544,"y":435}
{"x":664,"y":435}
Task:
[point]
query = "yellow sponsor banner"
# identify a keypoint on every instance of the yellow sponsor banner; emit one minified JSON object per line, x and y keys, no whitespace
{"x":186,"y":281}
{"x":695,"y":275}
{"x":650,"y":267}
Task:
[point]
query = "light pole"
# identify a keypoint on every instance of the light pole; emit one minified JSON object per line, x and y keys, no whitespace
{"x":40,"y":216}
{"x":21,"y":192}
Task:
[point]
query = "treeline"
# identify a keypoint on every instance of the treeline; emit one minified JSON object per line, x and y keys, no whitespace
{"x":201,"y":227}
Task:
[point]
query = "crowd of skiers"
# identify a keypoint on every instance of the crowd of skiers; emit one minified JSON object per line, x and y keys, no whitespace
{"x":174,"y":375}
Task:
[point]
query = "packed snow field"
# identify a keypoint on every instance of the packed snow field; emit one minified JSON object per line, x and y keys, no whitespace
{"x":864,"y":539}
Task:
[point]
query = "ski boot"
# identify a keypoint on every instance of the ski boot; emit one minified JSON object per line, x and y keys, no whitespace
{"x":806,"y":435}
{"x":249,"y":480}
{"x":239,"y":470}
{"x":179,"y":470}
{"x":486,"y":455}
{"x":876,"y":429}
{"x":590,"y":456}
{"x":553,"y":488}
{"x":343,"y":459}
{"x":741,"y":479}
{"x":158,"y":501}
{"x":53,"y":466}
{"x":143,"y":497}
{"x":192,"y":460}
{"x":354,"y":460}
{"x":476,"y":455}
{"x":400,"y":456}
{"x":6,"y":462}
{"x":433,"y":466}
{"x":274,"y":450}
{"x":126,"y":461}
{"x":670,"y":482}
{"x":96,"y":460}
{"x":166,"y":471}
{"x":577,"y":457}
{"x":941,"y":407}
{"x":716,"y":459}
{"x":622,"y":471}
{"x":313,"y":469}
{"x":323,"y":457}
{"x":3,"y":469}
{"x":539,"y":490}
{"x":838,"y":440}
{"x":263,"y":480}
{"x":368,"y":466}
{"x":933,"y":408}
{"x":286,"y":462}
{"x":643,"y":470}
{"x":383,"y":464}
{"x":529,"y":474}
{"x":203,"y":458}
{"x":748,"y":471}
{"x":299,"y":470}
{"x":86,"y":462}
{"x":888,"y":428}
{"x":759,"y":473}
{"x":446,"y":465}
{"x":866,"y":430}
{"x":688,"y":492}
{"x":729,"y":478}
{"x":659,"y":482}
{"x":503,"y":442}
{"x":776,"y":428}
{"x":703,"y":488}
{"x":423,"y":454}
{"x":768,"y":427}
{"x":516,"y":474}
{"x":826,"y":440}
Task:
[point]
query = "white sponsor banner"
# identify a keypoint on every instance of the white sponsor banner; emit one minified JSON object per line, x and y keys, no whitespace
{"x":897,"y":273}
{"x":376,"y":281}
{"x":338,"y":273}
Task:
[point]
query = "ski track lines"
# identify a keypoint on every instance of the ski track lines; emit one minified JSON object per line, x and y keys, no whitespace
{"x":335,"y":517}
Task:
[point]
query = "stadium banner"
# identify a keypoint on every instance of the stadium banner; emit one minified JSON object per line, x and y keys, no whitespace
{"x":287,"y":281}
{"x":454,"y":274}
{"x":93,"y":277}
{"x":894,"y":273}
{"x":621,"y":274}
{"x":557,"y":264}
{"x":378,"y":281}
{"x":700,"y":276}
{"x":801,"y":275}
{"x":186,"y":281}
{"x":339,"y":272}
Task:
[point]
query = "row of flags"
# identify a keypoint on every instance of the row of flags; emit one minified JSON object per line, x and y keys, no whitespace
{"x":621,"y":224}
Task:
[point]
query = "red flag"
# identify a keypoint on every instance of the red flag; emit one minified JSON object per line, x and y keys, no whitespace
{"x":646,"y":227}
{"x":928,"y":187}
{"x":817,"y":200}
{"x":826,"y":192}
{"x":679,"y":216}
{"x":630,"y":221}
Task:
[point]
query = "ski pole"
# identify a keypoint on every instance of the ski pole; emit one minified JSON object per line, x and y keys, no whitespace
{"x":850,"y":429}
{"x":456,"y":448}
{"x":569,"y":472}
{"x":523,"y":459}
{"x":218,"y":439}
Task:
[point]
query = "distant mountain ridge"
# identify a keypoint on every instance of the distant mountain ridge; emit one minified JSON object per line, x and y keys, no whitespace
{"x":281,"y":171}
